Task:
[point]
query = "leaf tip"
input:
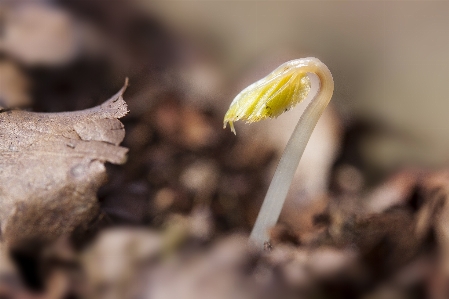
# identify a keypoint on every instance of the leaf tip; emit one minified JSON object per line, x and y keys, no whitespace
{"x":231,"y":125}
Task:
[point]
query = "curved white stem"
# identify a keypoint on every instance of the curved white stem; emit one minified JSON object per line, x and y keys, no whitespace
{"x":283,"y":176}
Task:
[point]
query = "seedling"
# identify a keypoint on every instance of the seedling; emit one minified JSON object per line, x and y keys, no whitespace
{"x":282,"y":89}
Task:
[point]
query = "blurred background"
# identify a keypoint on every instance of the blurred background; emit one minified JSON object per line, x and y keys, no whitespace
{"x":386,"y":58}
{"x":384,"y":131}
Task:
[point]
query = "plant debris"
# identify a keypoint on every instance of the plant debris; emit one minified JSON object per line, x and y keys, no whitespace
{"x":51,"y":166}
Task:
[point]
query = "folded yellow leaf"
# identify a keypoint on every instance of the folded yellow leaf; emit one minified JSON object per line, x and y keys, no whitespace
{"x":271,"y":96}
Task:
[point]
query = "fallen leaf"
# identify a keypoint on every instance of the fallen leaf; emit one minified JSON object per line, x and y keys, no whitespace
{"x":51,"y":166}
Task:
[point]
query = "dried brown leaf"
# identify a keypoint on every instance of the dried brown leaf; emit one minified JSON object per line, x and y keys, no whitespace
{"x":51,"y":165}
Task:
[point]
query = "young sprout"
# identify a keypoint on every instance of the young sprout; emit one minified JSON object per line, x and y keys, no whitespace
{"x":269,"y":97}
